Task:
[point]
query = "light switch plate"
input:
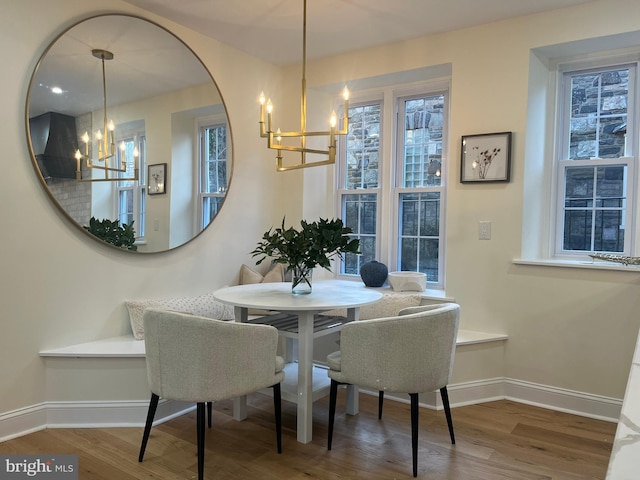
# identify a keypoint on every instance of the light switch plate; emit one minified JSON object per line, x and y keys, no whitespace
{"x":484,"y":230}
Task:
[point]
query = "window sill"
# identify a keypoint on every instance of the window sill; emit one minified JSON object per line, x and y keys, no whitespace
{"x":592,"y":265}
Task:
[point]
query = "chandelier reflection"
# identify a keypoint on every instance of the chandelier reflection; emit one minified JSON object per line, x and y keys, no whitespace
{"x":275,"y":139}
{"x":106,"y":160}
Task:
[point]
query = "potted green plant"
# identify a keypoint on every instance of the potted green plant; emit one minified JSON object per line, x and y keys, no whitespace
{"x":111,"y":232}
{"x":313,"y":245}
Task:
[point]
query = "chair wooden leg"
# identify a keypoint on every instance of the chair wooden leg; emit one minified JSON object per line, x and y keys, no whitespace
{"x":151,"y":413}
{"x":277,"y":406}
{"x":200,"y":438}
{"x":209,"y":412}
{"x":333,"y":395}
{"x":415,"y":414}
{"x":447,"y":411}
{"x":380,"y":401}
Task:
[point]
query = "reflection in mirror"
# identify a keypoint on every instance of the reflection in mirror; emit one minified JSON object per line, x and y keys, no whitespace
{"x":154,"y":104}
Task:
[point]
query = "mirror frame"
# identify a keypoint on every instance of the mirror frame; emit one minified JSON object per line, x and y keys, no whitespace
{"x":52,"y":197}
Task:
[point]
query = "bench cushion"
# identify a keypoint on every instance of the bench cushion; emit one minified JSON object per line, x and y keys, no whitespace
{"x":203,"y":305}
{"x":388,"y":306}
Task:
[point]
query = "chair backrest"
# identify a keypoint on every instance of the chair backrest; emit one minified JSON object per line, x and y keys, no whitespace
{"x":410,"y":353}
{"x":199,"y":359}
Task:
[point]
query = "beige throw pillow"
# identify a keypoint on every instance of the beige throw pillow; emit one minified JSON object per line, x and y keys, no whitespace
{"x":249,"y":276}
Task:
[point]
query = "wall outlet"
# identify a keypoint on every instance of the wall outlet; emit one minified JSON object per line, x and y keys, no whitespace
{"x":484,"y":230}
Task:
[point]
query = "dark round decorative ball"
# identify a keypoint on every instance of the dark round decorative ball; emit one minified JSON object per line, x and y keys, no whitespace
{"x":373,"y":273}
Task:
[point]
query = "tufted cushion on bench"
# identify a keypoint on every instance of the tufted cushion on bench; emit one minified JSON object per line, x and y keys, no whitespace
{"x":203,"y":305}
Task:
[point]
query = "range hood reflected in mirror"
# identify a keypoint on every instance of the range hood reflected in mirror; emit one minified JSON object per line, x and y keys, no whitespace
{"x":54,"y":139}
{"x":165,"y":106}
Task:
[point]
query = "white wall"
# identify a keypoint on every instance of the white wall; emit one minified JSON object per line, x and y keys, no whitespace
{"x":568,"y":328}
{"x":572,"y":329}
{"x":58,"y":285}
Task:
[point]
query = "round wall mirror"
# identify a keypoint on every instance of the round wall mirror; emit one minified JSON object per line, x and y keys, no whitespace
{"x":129,"y":134}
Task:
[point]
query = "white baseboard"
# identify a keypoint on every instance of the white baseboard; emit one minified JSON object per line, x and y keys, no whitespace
{"x":562,"y":400}
{"x":23,"y":421}
{"x":134,"y":413}
{"x":552,"y":398}
{"x":86,"y":415}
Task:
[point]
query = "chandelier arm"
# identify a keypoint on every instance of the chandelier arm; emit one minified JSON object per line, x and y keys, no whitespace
{"x":111,"y":179}
{"x":301,"y":134}
{"x":282,"y":168}
{"x":319,"y":133}
{"x":109,"y":169}
{"x":291,"y":148}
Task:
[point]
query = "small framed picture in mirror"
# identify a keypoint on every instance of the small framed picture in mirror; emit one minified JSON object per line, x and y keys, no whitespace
{"x":157,"y":179}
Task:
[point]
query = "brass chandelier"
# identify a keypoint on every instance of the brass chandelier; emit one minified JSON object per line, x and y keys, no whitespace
{"x":104,"y":141}
{"x":275,"y":139}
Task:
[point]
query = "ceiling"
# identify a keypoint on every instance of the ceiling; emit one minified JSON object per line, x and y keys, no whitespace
{"x":272,"y":29}
{"x":147,"y":61}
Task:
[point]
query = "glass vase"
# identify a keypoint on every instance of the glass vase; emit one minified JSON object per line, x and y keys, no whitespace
{"x":301,"y":280}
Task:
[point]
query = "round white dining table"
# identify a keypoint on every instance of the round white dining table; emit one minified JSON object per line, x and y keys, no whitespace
{"x":325,"y":295}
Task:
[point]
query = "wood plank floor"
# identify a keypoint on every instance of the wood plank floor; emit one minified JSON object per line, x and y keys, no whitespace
{"x":494,"y":441}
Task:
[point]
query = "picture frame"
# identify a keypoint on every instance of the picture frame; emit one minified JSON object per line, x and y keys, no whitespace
{"x":157,"y":179}
{"x":486,"y":157}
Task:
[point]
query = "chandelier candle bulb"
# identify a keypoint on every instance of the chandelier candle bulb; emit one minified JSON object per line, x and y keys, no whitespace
{"x":111,"y":127}
{"x":269,"y":114}
{"x":123,"y":155}
{"x":261,"y":100}
{"x":345,"y":94}
{"x":99,"y":138}
{"x":78,"y":156}
{"x":85,"y":139}
{"x":136,"y":156}
{"x":332,"y":133}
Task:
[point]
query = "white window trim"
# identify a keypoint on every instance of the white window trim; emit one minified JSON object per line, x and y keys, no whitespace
{"x":558,"y":75}
{"x":436,"y":88}
{"x":388,"y":194}
{"x":200,"y":123}
{"x":133,"y":130}
{"x":341,"y":191}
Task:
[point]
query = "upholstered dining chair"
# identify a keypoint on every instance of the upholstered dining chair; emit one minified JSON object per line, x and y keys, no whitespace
{"x":410,"y":353}
{"x":201,"y":360}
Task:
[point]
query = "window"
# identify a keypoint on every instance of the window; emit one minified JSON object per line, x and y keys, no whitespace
{"x":419,"y":186}
{"x":360,"y":190}
{"x":595,"y":161}
{"x":131,"y":195}
{"x":411,"y":203}
{"x":213,"y":170}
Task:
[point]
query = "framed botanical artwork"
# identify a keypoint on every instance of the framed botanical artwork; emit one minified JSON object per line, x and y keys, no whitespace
{"x":486,"y":158}
{"x":157,"y":179}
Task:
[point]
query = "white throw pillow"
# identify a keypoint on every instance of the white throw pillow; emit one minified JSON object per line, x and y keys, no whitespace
{"x":203,"y":305}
